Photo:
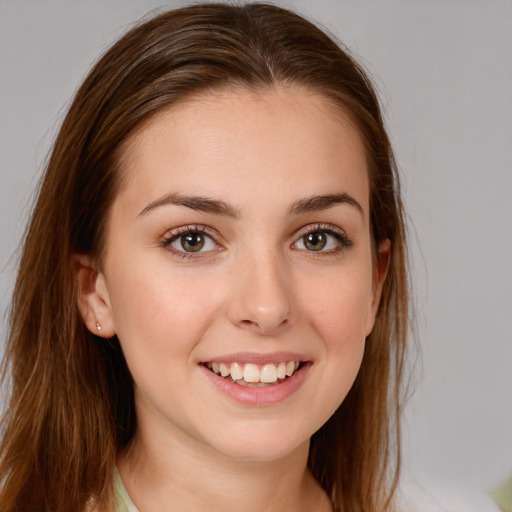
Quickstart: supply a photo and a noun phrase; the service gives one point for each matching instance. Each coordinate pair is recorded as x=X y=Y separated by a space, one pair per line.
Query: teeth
x=290 y=368
x=224 y=370
x=269 y=373
x=236 y=371
x=281 y=371
x=250 y=373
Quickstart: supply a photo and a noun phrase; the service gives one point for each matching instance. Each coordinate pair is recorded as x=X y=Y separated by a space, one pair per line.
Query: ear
x=379 y=277
x=93 y=299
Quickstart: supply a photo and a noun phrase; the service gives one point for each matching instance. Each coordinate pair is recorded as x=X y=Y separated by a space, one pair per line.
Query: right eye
x=189 y=240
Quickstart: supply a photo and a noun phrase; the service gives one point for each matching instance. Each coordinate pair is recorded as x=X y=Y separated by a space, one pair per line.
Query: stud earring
x=98 y=326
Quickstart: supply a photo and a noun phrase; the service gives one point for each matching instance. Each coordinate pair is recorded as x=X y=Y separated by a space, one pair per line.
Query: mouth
x=255 y=375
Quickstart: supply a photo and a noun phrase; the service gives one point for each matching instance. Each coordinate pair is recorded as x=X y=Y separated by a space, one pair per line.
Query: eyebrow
x=203 y=204
x=317 y=203
x=217 y=207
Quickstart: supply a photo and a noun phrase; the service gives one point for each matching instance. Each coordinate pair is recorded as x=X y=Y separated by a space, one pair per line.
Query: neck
x=182 y=476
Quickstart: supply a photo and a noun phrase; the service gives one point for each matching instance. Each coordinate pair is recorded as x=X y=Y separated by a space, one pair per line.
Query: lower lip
x=268 y=395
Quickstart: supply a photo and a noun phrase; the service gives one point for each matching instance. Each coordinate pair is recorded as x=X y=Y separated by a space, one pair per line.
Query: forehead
x=228 y=142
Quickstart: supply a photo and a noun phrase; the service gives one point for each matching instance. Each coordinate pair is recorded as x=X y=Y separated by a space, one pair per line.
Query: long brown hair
x=71 y=405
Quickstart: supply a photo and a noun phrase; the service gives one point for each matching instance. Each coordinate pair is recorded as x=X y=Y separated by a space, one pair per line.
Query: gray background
x=444 y=72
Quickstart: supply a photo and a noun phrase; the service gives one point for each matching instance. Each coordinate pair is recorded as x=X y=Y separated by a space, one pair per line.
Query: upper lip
x=258 y=358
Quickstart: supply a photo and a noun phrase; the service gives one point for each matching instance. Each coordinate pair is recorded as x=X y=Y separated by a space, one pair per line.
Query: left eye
x=192 y=241
x=318 y=241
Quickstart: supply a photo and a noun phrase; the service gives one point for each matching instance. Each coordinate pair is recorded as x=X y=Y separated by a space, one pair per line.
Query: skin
x=256 y=288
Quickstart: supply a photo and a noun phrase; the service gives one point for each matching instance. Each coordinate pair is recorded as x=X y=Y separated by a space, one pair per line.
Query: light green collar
x=503 y=496
x=124 y=502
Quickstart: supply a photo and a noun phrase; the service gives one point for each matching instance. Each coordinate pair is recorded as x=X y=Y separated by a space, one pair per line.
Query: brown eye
x=323 y=239
x=315 y=241
x=192 y=242
x=189 y=240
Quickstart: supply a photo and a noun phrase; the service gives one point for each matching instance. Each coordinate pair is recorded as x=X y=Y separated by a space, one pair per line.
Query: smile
x=253 y=375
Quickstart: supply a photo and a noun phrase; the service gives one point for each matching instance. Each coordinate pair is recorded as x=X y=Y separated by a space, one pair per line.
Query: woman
x=211 y=305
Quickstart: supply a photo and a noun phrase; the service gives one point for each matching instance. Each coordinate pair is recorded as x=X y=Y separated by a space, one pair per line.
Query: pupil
x=315 y=241
x=192 y=242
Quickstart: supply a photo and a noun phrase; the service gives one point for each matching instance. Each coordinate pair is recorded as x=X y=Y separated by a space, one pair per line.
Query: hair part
x=71 y=404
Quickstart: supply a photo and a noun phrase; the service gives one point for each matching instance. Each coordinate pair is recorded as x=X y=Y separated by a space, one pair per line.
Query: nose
x=262 y=295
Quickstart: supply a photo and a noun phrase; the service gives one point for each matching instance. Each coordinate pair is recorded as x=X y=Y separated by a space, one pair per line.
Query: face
x=237 y=271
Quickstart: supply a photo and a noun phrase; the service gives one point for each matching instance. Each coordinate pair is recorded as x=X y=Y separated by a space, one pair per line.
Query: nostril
x=263 y=325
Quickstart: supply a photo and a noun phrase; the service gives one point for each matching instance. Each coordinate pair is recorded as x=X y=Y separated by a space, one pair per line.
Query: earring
x=98 y=326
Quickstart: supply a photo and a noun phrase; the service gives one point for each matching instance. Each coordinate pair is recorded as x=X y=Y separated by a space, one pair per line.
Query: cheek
x=338 y=316
x=162 y=310
x=340 y=311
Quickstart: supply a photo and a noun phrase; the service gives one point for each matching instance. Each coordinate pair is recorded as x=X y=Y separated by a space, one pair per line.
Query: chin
x=260 y=444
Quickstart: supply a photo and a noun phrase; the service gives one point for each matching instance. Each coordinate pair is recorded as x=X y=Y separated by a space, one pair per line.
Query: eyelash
x=176 y=234
x=343 y=241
